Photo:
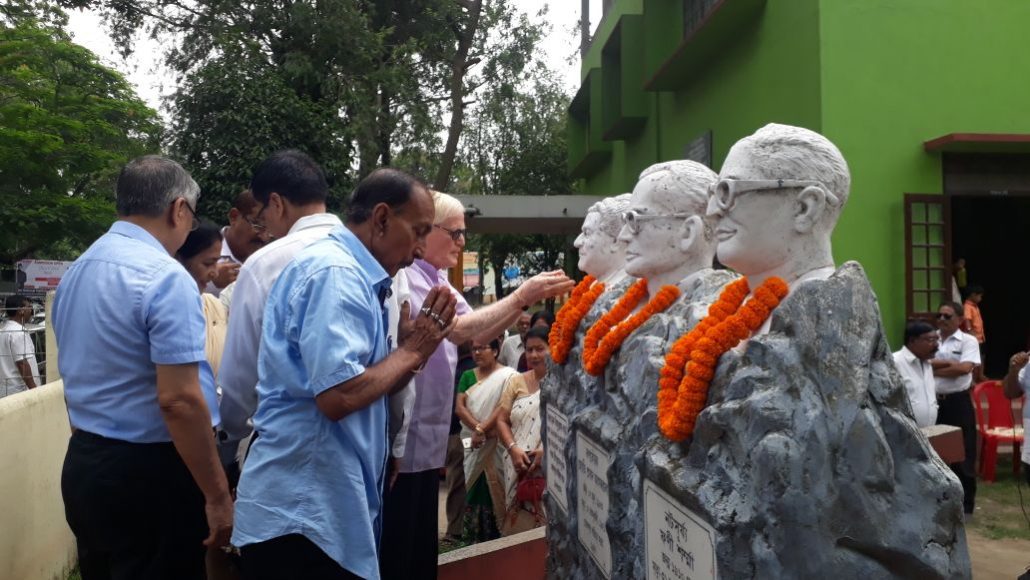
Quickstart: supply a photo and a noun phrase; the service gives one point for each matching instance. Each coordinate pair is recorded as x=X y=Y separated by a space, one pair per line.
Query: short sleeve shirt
x=123 y=307
x=324 y=324
x=959 y=347
x=15 y=346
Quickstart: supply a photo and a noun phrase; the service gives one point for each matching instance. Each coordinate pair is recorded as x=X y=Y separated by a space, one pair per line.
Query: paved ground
x=1002 y=559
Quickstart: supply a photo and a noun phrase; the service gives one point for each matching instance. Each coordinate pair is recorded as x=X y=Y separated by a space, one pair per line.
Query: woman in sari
x=478 y=393
x=519 y=449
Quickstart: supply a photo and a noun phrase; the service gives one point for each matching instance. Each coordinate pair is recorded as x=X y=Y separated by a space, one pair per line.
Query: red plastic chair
x=996 y=426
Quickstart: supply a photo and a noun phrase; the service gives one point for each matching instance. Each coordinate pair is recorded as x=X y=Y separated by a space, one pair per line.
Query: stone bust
x=601 y=254
x=776 y=203
x=667 y=234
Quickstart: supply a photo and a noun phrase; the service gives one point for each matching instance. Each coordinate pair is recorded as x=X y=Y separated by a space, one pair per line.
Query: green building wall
x=877 y=77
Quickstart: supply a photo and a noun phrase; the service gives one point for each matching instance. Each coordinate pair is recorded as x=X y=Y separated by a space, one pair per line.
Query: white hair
x=446 y=206
x=787 y=152
x=610 y=210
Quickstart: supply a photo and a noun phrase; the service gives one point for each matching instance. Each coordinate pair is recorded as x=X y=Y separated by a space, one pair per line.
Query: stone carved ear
x=693 y=232
x=810 y=209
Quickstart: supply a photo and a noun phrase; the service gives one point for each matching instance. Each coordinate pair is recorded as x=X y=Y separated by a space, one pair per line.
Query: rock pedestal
x=806 y=462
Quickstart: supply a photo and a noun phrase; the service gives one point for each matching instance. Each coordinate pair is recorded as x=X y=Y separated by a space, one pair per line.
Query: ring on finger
x=441 y=322
x=426 y=310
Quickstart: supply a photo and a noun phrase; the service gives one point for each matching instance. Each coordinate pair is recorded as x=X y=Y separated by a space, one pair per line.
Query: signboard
x=37 y=277
x=680 y=545
x=592 y=501
x=470 y=269
x=557 y=469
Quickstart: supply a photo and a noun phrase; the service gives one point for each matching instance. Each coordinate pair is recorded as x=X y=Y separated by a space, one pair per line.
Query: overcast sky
x=152 y=81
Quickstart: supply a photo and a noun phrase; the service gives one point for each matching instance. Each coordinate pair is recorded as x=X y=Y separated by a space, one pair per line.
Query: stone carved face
x=654 y=242
x=784 y=190
x=599 y=253
x=752 y=233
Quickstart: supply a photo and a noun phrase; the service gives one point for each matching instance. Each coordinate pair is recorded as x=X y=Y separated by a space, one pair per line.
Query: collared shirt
x=124 y=306
x=403 y=401
x=15 y=346
x=434 y=388
x=959 y=347
x=324 y=325
x=971 y=312
x=920 y=386
x=511 y=350
x=225 y=256
x=239 y=373
x=1024 y=383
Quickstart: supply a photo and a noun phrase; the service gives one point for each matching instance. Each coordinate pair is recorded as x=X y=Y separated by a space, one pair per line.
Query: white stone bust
x=601 y=254
x=777 y=201
x=666 y=230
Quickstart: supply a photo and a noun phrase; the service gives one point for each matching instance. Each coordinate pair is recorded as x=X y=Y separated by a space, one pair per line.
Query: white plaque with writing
x=592 y=501
x=557 y=469
x=680 y=545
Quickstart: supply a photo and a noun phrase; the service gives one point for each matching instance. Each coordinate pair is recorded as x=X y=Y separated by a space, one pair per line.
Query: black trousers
x=290 y=557
x=134 y=509
x=409 y=543
x=956 y=409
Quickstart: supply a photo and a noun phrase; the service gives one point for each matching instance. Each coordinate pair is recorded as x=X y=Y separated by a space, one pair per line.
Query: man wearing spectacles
x=244 y=235
x=913 y=362
x=957 y=358
x=142 y=484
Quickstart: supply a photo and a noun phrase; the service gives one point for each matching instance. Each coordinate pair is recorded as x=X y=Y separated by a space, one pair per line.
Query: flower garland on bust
x=608 y=333
x=690 y=363
x=566 y=322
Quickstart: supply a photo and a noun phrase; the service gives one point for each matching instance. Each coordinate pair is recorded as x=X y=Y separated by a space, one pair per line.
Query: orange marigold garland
x=690 y=363
x=608 y=333
x=566 y=322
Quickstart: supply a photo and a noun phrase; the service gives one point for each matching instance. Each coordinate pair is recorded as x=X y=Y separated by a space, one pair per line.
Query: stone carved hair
x=610 y=210
x=692 y=180
x=786 y=152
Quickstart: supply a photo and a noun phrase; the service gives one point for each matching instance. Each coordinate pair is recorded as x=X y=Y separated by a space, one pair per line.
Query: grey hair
x=610 y=210
x=788 y=152
x=690 y=181
x=148 y=185
x=446 y=206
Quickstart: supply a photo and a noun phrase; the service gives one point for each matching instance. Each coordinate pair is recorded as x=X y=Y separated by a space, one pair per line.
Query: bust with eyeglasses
x=601 y=254
x=667 y=234
x=776 y=202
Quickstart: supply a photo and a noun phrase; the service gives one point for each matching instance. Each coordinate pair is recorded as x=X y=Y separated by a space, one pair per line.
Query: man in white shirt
x=291 y=190
x=242 y=237
x=913 y=362
x=1016 y=384
x=957 y=356
x=513 y=348
x=18 y=369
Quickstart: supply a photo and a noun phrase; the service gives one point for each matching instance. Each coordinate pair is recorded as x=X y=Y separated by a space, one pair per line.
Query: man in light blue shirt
x=142 y=484
x=309 y=500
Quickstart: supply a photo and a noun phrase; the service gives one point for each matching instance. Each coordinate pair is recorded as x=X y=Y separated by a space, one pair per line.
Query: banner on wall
x=37 y=277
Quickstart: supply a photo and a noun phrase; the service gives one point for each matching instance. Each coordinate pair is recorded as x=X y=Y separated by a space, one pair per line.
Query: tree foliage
x=67 y=125
x=356 y=83
x=515 y=144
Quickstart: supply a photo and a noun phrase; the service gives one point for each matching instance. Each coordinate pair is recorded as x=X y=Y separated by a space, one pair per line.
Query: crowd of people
x=941 y=362
x=283 y=386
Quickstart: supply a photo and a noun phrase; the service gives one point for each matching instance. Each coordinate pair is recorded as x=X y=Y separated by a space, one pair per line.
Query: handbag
x=530 y=489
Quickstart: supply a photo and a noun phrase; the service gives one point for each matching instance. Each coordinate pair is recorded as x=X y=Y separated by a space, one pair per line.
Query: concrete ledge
x=35 y=542
x=517 y=557
x=946 y=440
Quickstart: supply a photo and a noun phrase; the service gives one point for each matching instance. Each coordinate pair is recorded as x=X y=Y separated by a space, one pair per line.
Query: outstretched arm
x=489 y=322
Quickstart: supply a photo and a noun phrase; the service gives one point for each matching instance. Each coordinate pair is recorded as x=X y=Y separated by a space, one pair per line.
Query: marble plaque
x=557 y=469
x=592 y=501
x=680 y=545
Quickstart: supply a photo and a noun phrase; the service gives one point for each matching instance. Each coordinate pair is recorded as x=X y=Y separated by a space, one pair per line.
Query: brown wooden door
x=927 y=253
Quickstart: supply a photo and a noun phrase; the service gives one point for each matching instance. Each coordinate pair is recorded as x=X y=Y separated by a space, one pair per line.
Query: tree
x=373 y=79
x=515 y=144
x=67 y=125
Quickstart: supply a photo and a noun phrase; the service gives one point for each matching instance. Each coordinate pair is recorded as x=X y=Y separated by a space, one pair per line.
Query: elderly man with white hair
x=409 y=545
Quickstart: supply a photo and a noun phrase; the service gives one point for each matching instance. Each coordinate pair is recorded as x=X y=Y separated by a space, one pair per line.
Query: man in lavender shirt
x=409 y=542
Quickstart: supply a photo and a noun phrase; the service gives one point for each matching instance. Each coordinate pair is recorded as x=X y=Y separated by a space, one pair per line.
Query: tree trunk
x=459 y=66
